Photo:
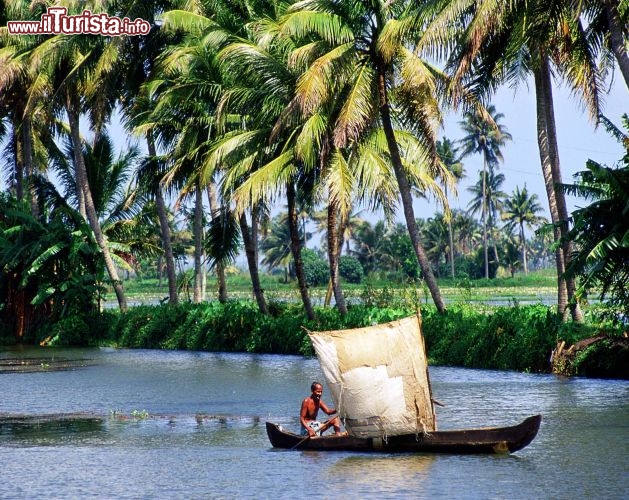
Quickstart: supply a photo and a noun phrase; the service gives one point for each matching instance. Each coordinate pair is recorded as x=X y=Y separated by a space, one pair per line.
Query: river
x=191 y=425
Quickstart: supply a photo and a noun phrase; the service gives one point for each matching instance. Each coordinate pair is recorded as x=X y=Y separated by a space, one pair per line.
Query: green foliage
x=608 y=358
x=601 y=241
x=516 y=338
x=508 y=338
x=52 y=267
x=316 y=269
x=351 y=269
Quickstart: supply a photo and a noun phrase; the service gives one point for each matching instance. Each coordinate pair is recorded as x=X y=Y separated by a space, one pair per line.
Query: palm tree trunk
x=220 y=266
x=541 y=98
x=293 y=227
x=616 y=37
x=405 y=194
x=162 y=215
x=334 y=256
x=562 y=209
x=27 y=153
x=72 y=108
x=252 y=259
x=450 y=240
x=523 y=243
x=198 y=244
x=19 y=163
x=484 y=206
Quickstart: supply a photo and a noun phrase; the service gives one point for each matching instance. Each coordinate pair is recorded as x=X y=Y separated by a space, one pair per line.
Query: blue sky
x=578 y=141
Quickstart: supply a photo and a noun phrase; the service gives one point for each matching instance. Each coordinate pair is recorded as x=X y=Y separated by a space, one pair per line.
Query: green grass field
x=537 y=286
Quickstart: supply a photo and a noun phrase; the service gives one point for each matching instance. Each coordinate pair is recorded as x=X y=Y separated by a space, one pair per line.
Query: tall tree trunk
x=162 y=215
x=220 y=267
x=617 y=38
x=562 y=209
x=541 y=98
x=27 y=153
x=252 y=259
x=295 y=246
x=450 y=240
x=523 y=243
x=334 y=256
x=19 y=162
x=72 y=108
x=197 y=295
x=407 y=199
x=484 y=214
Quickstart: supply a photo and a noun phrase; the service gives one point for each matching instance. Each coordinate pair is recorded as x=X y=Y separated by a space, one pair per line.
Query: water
x=193 y=427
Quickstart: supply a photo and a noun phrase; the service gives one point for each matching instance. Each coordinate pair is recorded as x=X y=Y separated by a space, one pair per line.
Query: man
x=308 y=415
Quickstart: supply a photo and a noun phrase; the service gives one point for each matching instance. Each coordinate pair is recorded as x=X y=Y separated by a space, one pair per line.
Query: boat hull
x=489 y=440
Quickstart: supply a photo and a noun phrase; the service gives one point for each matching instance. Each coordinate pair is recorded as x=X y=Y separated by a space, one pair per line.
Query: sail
x=378 y=378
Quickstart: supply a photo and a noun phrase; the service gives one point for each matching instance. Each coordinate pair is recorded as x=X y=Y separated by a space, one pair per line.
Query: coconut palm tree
x=31 y=128
x=484 y=137
x=359 y=51
x=210 y=28
x=521 y=210
x=505 y=42
x=436 y=235
x=607 y=28
x=448 y=154
x=67 y=64
x=488 y=197
x=137 y=61
x=275 y=245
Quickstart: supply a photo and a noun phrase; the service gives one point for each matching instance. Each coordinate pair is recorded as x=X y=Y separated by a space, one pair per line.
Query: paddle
x=324 y=426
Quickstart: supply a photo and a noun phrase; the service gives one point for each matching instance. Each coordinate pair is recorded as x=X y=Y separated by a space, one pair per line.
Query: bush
x=351 y=269
x=515 y=337
x=316 y=269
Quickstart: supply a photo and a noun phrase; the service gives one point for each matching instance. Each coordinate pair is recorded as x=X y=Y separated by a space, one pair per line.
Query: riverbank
x=516 y=337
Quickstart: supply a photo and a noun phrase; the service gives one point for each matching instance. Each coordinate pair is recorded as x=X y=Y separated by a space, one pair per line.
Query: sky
x=577 y=138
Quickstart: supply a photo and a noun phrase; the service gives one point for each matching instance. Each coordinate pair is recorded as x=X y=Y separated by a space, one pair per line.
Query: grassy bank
x=508 y=338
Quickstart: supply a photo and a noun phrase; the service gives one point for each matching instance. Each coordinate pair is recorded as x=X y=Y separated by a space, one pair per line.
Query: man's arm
x=325 y=408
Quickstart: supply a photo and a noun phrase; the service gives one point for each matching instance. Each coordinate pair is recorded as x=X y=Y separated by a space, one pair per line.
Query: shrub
x=351 y=269
x=316 y=269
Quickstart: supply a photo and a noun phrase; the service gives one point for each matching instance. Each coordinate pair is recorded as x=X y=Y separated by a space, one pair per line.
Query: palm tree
x=484 y=137
x=120 y=207
x=521 y=210
x=358 y=51
x=437 y=237
x=608 y=28
x=505 y=42
x=488 y=195
x=137 y=61
x=368 y=245
x=467 y=230
x=448 y=154
x=275 y=245
x=28 y=119
x=68 y=62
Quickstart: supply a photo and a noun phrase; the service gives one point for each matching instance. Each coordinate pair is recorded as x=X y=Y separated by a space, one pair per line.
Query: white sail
x=378 y=378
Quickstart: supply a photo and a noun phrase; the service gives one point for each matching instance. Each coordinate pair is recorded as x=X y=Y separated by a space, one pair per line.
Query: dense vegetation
x=508 y=338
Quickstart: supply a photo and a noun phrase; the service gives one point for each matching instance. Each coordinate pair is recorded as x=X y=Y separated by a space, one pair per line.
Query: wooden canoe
x=467 y=441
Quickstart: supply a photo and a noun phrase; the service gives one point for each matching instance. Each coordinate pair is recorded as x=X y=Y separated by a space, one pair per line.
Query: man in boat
x=308 y=414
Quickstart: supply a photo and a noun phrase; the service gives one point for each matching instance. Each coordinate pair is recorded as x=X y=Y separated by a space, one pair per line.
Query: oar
x=324 y=426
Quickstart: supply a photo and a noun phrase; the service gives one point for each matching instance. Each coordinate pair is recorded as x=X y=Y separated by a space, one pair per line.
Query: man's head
x=317 y=390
